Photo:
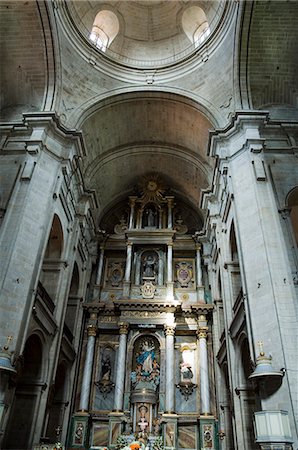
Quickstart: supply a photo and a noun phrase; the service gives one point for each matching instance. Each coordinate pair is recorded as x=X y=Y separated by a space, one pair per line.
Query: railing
x=148 y=63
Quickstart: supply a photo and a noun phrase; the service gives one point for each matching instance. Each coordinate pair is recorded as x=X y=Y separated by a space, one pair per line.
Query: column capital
x=202 y=332
x=123 y=327
x=198 y=246
x=91 y=330
x=170 y=244
x=102 y=247
x=128 y=244
x=169 y=330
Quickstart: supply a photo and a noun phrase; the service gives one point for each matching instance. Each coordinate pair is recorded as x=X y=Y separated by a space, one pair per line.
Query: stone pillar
x=86 y=383
x=170 y=379
x=204 y=375
x=126 y=283
x=170 y=285
x=99 y=273
x=160 y=268
x=170 y=262
x=120 y=371
x=132 y=212
x=138 y=269
x=170 y=211
x=200 y=287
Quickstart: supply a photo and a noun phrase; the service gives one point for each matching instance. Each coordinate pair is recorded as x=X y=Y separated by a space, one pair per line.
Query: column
x=170 y=211
x=204 y=375
x=170 y=284
x=86 y=383
x=99 y=273
x=198 y=265
x=160 y=268
x=121 y=368
x=132 y=212
x=170 y=381
x=200 y=287
x=128 y=261
x=170 y=262
x=138 y=269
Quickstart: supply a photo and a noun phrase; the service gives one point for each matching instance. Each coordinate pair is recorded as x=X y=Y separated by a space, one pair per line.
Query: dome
x=146 y=33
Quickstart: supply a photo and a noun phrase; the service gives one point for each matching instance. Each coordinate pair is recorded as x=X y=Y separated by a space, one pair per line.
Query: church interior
x=149 y=225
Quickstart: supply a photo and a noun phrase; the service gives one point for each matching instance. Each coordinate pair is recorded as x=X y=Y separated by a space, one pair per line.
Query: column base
x=126 y=289
x=170 y=291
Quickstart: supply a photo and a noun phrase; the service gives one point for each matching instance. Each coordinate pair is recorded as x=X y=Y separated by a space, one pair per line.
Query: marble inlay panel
x=170 y=435
x=116 y=431
x=100 y=435
x=187 y=437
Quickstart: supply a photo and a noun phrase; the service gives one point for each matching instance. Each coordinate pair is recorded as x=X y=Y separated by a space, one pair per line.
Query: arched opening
x=195 y=25
x=21 y=425
x=292 y=203
x=57 y=402
x=55 y=242
x=236 y=282
x=50 y=271
x=72 y=303
x=104 y=30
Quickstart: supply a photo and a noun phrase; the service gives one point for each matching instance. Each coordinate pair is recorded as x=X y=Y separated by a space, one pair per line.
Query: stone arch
x=29 y=387
x=73 y=301
x=233 y=244
x=55 y=243
x=57 y=399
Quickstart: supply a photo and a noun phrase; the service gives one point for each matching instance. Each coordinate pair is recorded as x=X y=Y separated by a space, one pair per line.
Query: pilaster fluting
x=204 y=372
x=128 y=261
x=170 y=381
x=86 y=382
x=120 y=371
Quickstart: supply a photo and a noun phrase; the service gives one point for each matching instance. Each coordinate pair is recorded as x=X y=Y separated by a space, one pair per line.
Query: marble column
x=132 y=212
x=138 y=269
x=86 y=382
x=128 y=261
x=121 y=367
x=170 y=284
x=170 y=377
x=170 y=211
x=99 y=271
x=204 y=372
x=170 y=263
x=200 y=287
x=160 y=268
x=198 y=265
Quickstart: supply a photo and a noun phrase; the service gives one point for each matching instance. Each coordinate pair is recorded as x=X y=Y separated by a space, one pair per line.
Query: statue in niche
x=106 y=369
x=146 y=357
x=147 y=369
x=149 y=266
x=105 y=385
x=151 y=217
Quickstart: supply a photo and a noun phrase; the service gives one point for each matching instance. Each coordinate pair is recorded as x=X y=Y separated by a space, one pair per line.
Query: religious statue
x=149 y=266
x=106 y=369
x=150 y=218
x=146 y=357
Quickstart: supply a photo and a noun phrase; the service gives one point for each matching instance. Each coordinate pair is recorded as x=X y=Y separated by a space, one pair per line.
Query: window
x=195 y=25
x=104 y=30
